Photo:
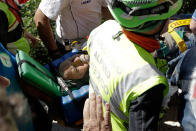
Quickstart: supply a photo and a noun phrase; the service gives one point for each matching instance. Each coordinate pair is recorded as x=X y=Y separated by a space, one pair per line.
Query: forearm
x=106 y=13
x=31 y=38
x=44 y=30
x=193 y=26
x=144 y=111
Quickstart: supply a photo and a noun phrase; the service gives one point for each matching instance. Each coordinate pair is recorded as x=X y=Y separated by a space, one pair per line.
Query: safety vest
x=20 y=43
x=178 y=39
x=120 y=71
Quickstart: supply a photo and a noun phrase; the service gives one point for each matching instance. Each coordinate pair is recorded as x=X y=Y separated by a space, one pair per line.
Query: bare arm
x=44 y=30
x=32 y=38
x=193 y=26
x=193 y=23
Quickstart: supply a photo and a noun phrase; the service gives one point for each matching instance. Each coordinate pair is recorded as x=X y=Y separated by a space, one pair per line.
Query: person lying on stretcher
x=75 y=67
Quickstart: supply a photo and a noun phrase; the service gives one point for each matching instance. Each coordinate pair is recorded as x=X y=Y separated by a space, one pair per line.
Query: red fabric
x=22 y=1
x=147 y=43
x=16 y=15
x=15 y=10
x=12 y=4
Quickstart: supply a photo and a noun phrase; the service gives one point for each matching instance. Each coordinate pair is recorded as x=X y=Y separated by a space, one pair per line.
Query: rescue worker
x=178 y=49
x=12 y=34
x=74 y=21
x=122 y=67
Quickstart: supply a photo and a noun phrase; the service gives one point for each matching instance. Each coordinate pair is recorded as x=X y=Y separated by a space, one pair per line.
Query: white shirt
x=74 y=18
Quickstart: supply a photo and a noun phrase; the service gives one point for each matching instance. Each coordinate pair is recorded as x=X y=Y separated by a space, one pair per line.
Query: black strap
x=3 y=28
x=82 y=52
x=61 y=82
x=64 y=86
x=34 y=66
x=15 y=35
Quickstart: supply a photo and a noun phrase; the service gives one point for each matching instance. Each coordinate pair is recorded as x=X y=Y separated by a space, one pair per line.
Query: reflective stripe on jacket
x=21 y=43
x=120 y=71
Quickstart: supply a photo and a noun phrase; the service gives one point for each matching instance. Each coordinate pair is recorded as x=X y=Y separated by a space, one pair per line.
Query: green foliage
x=188 y=6
x=39 y=52
x=28 y=11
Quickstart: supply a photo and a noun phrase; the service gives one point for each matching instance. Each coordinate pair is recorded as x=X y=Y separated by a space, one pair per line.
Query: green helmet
x=141 y=15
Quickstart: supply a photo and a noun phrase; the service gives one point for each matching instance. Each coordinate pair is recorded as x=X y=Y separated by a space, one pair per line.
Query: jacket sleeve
x=3 y=27
x=52 y=8
x=144 y=111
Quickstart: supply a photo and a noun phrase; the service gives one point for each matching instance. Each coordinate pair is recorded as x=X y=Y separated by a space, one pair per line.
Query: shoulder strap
x=64 y=87
x=171 y=29
x=61 y=82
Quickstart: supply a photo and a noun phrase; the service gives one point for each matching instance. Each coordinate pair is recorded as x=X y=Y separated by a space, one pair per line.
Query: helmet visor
x=135 y=11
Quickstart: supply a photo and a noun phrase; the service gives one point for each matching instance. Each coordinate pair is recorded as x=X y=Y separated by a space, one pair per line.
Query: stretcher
x=41 y=78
